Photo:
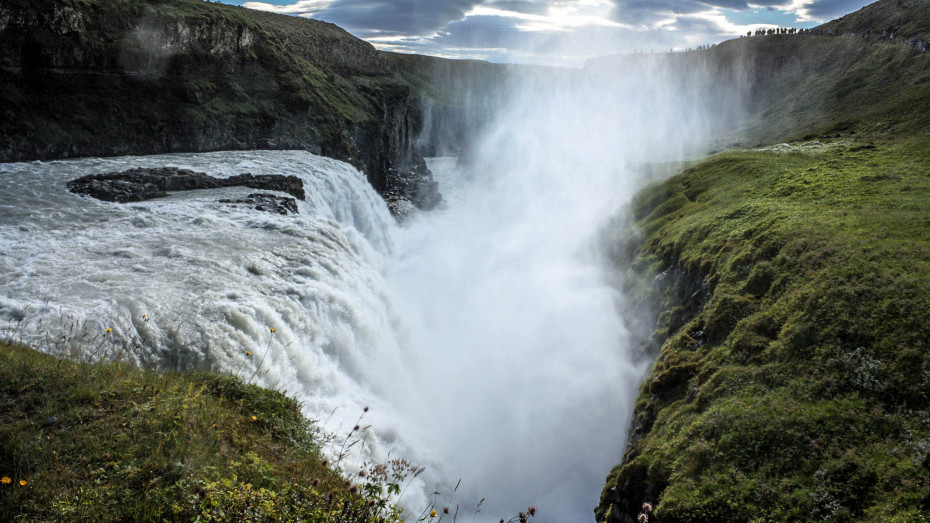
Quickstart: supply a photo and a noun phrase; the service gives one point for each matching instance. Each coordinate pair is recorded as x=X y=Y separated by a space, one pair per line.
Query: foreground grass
x=794 y=378
x=104 y=442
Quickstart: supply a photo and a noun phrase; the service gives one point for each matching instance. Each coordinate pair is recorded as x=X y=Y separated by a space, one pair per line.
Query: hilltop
x=906 y=19
x=779 y=88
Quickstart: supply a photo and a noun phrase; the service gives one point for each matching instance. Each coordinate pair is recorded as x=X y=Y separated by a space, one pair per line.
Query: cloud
x=551 y=31
x=521 y=6
x=825 y=10
x=379 y=17
x=649 y=13
x=482 y=32
x=299 y=7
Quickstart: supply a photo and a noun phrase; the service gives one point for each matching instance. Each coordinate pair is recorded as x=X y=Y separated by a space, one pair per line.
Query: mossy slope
x=800 y=386
x=104 y=442
x=803 y=86
x=907 y=19
x=790 y=284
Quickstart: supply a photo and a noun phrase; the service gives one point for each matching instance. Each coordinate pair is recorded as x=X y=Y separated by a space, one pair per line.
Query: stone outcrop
x=267 y=202
x=142 y=184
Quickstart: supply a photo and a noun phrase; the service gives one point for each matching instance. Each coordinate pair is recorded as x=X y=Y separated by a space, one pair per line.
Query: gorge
x=565 y=284
x=433 y=325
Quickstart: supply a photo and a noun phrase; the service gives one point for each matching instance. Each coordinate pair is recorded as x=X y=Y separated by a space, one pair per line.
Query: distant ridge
x=816 y=84
x=907 y=19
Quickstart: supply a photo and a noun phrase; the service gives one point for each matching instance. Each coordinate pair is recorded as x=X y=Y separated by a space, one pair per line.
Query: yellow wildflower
x=22 y=483
x=254 y=418
x=6 y=480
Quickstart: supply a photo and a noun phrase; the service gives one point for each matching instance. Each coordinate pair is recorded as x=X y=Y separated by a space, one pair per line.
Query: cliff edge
x=103 y=78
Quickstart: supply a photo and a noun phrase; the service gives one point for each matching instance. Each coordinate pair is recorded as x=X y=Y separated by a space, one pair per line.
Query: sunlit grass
x=795 y=383
x=108 y=442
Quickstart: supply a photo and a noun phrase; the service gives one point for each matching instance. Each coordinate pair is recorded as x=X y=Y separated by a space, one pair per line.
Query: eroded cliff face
x=100 y=78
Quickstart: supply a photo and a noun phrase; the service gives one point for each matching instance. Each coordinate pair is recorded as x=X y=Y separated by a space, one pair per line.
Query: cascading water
x=486 y=337
x=525 y=371
x=201 y=283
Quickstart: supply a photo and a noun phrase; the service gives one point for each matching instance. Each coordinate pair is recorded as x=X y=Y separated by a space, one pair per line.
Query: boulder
x=267 y=202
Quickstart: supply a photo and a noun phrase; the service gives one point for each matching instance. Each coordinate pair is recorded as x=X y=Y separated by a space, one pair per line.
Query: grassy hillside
x=791 y=284
x=770 y=89
x=800 y=385
x=105 y=442
x=907 y=19
x=806 y=86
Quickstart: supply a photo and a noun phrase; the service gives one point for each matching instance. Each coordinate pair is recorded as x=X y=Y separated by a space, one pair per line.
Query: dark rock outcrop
x=142 y=184
x=267 y=202
x=418 y=188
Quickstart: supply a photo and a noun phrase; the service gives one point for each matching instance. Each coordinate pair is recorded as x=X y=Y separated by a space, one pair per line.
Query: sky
x=554 y=32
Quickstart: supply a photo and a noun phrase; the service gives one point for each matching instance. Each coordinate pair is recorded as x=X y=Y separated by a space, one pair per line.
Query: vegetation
x=792 y=281
x=805 y=87
x=905 y=18
x=107 y=442
x=800 y=386
x=789 y=284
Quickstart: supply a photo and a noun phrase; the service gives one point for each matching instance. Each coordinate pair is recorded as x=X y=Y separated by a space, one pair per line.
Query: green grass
x=802 y=87
x=107 y=442
x=798 y=385
x=906 y=19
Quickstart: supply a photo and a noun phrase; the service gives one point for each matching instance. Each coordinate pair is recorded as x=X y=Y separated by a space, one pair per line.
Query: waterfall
x=486 y=337
x=190 y=282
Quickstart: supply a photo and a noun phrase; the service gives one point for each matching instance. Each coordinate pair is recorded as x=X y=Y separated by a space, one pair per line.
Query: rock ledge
x=142 y=184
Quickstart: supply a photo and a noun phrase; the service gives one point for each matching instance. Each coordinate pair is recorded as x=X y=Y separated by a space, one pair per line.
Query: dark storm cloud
x=400 y=17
